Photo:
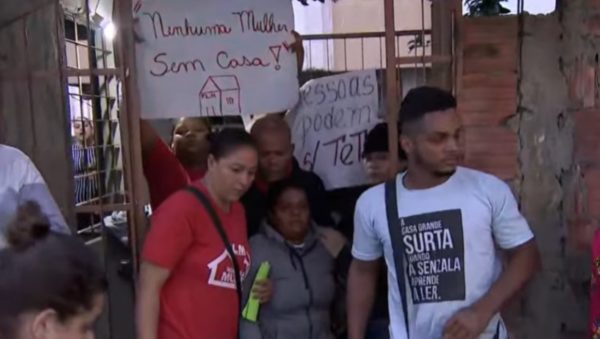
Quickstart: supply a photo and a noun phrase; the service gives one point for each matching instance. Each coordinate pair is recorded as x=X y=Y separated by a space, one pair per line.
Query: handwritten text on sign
x=330 y=124
x=215 y=57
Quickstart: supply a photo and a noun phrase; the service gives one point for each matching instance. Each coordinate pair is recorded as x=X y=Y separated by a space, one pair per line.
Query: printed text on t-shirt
x=434 y=248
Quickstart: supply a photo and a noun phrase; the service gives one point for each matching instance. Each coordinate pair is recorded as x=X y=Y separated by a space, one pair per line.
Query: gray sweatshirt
x=20 y=181
x=303 y=288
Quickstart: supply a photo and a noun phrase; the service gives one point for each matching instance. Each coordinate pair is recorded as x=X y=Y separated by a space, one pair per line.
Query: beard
x=444 y=174
x=433 y=169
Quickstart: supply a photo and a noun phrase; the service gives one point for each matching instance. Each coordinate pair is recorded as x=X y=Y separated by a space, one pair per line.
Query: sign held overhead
x=215 y=57
x=330 y=124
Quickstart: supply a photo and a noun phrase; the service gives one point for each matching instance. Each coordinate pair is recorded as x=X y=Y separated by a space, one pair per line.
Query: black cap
x=377 y=141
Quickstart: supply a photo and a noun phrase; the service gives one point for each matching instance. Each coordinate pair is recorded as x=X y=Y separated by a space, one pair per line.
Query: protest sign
x=214 y=57
x=330 y=123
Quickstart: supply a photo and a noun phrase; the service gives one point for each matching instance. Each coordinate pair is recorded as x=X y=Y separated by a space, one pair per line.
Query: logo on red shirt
x=221 y=269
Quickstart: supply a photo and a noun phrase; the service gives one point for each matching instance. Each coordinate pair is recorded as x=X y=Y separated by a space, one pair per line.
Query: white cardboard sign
x=215 y=57
x=330 y=123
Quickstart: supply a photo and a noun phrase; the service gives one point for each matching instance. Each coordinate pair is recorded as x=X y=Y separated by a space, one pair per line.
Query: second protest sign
x=330 y=124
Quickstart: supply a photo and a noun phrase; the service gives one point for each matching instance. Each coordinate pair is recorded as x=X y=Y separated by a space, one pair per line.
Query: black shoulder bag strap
x=391 y=206
x=217 y=222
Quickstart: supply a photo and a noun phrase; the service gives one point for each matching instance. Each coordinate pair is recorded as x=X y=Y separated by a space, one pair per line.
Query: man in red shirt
x=169 y=170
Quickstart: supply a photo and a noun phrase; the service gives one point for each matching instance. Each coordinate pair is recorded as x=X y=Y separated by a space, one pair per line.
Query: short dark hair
x=270 y=123
x=228 y=140
x=42 y=269
x=277 y=189
x=377 y=141
x=422 y=100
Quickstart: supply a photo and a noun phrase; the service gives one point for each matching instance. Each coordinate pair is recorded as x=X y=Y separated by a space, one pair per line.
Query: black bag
x=391 y=207
x=219 y=227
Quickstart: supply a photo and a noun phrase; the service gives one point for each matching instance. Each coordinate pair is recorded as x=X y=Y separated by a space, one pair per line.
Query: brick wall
x=487 y=95
x=533 y=119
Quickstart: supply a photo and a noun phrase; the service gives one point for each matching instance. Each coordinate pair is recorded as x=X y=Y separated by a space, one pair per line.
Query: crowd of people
x=428 y=249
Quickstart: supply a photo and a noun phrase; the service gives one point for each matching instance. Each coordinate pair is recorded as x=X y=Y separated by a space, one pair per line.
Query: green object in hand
x=250 y=312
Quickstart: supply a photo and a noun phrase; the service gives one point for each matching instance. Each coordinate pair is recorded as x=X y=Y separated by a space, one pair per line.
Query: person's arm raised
x=148 y=137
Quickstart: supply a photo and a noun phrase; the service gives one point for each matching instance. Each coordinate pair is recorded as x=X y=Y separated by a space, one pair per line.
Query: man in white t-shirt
x=453 y=224
x=20 y=181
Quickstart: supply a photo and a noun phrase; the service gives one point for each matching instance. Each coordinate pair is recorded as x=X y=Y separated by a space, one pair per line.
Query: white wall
x=356 y=16
x=531 y=6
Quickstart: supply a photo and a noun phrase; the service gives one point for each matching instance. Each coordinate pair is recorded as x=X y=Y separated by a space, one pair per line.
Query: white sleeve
x=366 y=245
x=33 y=188
x=509 y=227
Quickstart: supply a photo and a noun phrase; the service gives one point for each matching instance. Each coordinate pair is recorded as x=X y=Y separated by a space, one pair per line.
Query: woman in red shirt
x=168 y=170
x=188 y=288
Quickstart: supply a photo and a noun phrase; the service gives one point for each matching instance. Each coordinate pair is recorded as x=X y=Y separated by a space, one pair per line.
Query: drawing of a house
x=220 y=95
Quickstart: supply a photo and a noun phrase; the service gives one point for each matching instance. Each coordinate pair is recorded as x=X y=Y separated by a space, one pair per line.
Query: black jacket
x=255 y=201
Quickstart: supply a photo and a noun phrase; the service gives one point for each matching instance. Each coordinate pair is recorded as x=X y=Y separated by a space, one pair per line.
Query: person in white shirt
x=451 y=224
x=20 y=181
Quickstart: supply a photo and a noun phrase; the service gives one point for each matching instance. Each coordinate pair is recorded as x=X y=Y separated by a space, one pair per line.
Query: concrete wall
x=560 y=157
x=533 y=117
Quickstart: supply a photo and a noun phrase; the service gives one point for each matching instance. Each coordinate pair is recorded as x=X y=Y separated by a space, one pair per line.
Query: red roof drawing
x=220 y=83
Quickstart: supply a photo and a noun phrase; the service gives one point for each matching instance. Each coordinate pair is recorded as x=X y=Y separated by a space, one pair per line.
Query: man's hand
x=466 y=324
x=263 y=291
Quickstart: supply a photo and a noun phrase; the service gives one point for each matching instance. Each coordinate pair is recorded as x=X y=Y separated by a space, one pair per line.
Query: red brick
x=490 y=57
x=489 y=93
x=489 y=29
x=493 y=150
x=505 y=168
x=485 y=113
x=582 y=85
x=593 y=24
x=587 y=137
x=591 y=180
x=489 y=81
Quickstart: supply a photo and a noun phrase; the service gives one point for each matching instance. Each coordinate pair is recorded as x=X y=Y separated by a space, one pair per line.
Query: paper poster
x=330 y=124
x=214 y=57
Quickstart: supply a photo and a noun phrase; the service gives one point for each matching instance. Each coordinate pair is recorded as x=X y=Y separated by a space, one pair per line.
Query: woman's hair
x=45 y=270
x=278 y=188
x=228 y=140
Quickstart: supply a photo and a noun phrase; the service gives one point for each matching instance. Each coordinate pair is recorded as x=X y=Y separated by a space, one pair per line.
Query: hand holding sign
x=214 y=57
x=330 y=123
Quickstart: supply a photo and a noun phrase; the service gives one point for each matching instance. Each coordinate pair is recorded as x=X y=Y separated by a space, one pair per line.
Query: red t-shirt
x=165 y=174
x=199 y=300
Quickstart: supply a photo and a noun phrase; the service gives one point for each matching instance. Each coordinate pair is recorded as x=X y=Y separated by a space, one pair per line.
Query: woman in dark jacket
x=302 y=259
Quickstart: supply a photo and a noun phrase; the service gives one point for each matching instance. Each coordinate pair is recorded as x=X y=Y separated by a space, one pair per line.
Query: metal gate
x=68 y=99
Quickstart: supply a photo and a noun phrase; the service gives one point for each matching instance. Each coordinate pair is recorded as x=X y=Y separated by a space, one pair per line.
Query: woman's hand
x=263 y=290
